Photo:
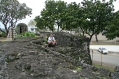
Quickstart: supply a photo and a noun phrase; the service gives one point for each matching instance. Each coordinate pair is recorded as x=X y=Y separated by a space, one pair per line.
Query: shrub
x=25 y=34
x=3 y=35
x=18 y=36
x=28 y=34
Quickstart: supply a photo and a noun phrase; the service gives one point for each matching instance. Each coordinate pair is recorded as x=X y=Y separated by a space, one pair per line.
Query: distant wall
x=32 y=29
x=103 y=38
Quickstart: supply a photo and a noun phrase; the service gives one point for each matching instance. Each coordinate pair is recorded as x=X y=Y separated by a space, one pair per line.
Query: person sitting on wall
x=51 y=41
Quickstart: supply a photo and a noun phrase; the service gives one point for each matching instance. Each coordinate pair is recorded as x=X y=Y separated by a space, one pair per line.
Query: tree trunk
x=89 y=48
x=96 y=37
x=58 y=27
x=83 y=33
x=90 y=37
x=89 y=54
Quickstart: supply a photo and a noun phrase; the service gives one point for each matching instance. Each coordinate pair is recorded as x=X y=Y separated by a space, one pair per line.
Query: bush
x=28 y=34
x=25 y=34
x=18 y=36
x=3 y=35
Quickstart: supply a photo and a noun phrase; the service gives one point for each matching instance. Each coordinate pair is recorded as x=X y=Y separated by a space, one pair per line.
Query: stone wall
x=27 y=58
x=72 y=45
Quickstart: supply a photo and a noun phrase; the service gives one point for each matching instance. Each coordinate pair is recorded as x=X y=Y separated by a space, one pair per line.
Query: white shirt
x=51 y=39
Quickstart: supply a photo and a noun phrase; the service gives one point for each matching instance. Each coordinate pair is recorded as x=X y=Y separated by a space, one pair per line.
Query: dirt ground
x=27 y=61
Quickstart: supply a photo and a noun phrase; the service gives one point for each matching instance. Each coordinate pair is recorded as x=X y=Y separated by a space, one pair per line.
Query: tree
x=11 y=11
x=70 y=18
x=32 y=23
x=112 y=29
x=60 y=8
x=52 y=13
x=40 y=22
x=96 y=16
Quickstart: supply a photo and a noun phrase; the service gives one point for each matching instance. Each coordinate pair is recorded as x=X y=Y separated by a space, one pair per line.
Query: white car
x=103 y=50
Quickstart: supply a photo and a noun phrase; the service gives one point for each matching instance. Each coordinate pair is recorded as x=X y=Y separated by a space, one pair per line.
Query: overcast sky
x=38 y=5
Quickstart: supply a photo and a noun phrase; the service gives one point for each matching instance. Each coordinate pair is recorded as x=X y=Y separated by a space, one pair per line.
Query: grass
x=78 y=68
x=105 y=67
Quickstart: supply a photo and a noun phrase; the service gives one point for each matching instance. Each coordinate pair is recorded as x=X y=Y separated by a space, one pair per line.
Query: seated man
x=51 y=41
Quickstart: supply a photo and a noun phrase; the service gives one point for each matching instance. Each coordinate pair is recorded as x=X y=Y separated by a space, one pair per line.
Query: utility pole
x=92 y=54
x=101 y=58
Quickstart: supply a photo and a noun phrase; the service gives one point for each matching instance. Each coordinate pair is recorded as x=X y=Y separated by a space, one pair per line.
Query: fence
x=104 y=60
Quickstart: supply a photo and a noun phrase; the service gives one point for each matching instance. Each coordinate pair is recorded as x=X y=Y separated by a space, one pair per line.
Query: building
x=32 y=29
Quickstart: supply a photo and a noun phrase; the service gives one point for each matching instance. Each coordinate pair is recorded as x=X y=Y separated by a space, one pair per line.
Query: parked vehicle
x=103 y=50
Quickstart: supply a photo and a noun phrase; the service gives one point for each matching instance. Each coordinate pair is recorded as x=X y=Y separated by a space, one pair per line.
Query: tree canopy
x=91 y=16
x=112 y=29
x=32 y=23
x=96 y=16
x=51 y=15
x=11 y=11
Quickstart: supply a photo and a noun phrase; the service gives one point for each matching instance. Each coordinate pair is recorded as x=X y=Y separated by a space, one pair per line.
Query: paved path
x=3 y=39
x=110 y=60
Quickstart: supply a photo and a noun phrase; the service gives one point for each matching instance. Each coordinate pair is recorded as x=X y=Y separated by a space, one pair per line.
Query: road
x=110 y=59
x=114 y=48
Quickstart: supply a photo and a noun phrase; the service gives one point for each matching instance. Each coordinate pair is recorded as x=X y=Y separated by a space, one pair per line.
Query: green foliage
x=18 y=36
x=51 y=15
x=91 y=16
x=96 y=16
x=112 y=29
x=78 y=68
x=28 y=34
x=40 y=22
x=25 y=34
x=70 y=18
x=81 y=77
x=3 y=34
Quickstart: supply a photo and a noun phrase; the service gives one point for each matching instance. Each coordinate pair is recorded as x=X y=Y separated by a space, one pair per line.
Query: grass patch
x=78 y=68
x=105 y=67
